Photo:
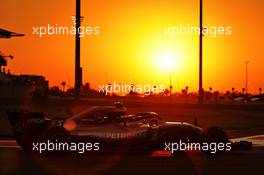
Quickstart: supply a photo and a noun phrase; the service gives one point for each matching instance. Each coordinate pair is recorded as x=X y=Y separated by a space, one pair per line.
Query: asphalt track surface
x=13 y=160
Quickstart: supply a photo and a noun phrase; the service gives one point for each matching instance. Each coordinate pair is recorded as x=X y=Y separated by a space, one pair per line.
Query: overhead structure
x=3 y=61
x=8 y=34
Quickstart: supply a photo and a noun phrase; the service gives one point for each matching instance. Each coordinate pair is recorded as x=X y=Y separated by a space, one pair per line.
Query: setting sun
x=168 y=60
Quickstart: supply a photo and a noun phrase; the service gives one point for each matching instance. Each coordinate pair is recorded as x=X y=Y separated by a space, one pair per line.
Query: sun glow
x=168 y=60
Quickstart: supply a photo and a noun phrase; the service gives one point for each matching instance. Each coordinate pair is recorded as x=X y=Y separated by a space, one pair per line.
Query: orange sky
x=132 y=35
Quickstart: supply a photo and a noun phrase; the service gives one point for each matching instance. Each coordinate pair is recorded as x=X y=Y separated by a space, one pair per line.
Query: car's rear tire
x=215 y=135
x=23 y=136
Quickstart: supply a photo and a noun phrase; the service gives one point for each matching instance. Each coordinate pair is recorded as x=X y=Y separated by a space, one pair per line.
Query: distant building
x=22 y=86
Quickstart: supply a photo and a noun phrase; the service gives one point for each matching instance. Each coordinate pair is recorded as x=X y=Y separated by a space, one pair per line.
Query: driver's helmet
x=120 y=109
x=118 y=104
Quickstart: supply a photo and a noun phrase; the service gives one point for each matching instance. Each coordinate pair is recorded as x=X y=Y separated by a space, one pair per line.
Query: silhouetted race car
x=110 y=129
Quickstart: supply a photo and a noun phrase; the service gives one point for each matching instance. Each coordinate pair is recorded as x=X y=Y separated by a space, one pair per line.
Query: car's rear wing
x=25 y=117
x=27 y=123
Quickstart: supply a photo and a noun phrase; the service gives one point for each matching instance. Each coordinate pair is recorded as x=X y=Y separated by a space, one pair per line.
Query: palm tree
x=210 y=89
x=243 y=90
x=233 y=90
x=187 y=88
x=63 y=85
x=260 y=91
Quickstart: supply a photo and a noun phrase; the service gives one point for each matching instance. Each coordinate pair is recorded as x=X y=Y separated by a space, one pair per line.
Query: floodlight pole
x=246 y=63
x=201 y=94
x=170 y=84
x=78 y=70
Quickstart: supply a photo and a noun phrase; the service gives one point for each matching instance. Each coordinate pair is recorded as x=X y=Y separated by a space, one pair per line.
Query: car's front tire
x=58 y=134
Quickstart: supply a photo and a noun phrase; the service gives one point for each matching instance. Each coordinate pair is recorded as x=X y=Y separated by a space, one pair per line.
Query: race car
x=111 y=127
